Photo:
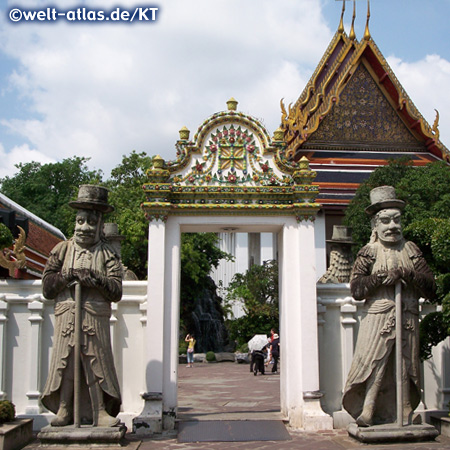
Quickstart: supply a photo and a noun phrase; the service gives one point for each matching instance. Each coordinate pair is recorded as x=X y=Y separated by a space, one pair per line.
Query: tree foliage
x=257 y=288
x=425 y=221
x=126 y=195
x=46 y=189
x=199 y=254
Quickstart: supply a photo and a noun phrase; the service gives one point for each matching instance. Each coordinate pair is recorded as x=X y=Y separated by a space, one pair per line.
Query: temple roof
x=354 y=115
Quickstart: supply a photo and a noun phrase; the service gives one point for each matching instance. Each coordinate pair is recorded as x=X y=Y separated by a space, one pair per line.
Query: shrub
x=6 y=237
x=7 y=411
x=210 y=356
x=182 y=347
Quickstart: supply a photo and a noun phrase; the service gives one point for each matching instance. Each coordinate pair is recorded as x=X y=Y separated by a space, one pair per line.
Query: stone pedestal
x=85 y=435
x=149 y=420
x=392 y=433
x=16 y=434
x=314 y=418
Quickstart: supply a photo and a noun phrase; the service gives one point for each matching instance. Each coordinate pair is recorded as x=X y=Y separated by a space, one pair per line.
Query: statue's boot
x=101 y=417
x=64 y=416
x=366 y=417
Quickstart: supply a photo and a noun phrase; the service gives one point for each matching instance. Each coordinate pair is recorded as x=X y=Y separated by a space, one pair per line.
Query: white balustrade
x=26 y=336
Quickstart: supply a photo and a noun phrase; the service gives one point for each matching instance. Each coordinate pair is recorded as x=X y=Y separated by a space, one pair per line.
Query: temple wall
x=26 y=329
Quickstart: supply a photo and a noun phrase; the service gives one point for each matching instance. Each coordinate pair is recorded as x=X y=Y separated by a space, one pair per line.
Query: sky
x=102 y=90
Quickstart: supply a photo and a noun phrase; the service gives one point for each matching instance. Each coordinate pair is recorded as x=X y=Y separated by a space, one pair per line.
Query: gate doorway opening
x=226 y=388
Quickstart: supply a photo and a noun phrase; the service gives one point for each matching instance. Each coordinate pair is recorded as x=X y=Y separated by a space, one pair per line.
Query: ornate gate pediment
x=231 y=167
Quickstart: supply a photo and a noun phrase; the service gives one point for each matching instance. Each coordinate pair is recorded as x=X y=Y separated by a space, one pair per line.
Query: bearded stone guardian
x=89 y=260
x=370 y=391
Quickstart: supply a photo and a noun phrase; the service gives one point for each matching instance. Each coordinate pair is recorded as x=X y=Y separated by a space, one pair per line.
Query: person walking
x=275 y=351
x=190 y=350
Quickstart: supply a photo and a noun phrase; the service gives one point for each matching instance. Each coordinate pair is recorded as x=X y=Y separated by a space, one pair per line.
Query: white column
x=267 y=247
x=299 y=334
x=321 y=245
x=155 y=306
x=3 y=345
x=241 y=252
x=348 y=322
x=34 y=356
x=143 y=320
x=112 y=326
x=171 y=321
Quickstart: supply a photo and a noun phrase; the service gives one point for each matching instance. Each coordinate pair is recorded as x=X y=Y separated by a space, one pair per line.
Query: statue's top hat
x=94 y=197
x=383 y=197
x=341 y=235
x=111 y=231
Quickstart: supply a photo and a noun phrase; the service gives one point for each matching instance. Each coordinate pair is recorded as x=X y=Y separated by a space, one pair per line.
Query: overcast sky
x=103 y=90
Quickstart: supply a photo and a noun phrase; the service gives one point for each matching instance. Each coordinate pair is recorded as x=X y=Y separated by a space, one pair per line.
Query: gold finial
x=232 y=104
x=435 y=128
x=278 y=134
x=184 y=134
x=304 y=163
x=352 y=34
x=158 y=162
x=366 y=31
x=341 y=23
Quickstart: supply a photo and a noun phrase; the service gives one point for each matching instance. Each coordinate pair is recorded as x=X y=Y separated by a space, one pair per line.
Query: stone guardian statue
x=89 y=260
x=370 y=391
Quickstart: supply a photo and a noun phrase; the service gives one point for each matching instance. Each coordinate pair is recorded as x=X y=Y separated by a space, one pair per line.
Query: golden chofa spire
x=352 y=34
x=366 y=31
x=341 y=23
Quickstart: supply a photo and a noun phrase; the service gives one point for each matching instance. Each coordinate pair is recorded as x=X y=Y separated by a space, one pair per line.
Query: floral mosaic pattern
x=232 y=155
x=363 y=115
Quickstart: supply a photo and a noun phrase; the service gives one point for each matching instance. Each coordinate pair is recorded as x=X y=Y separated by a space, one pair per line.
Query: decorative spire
x=366 y=31
x=232 y=104
x=184 y=134
x=352 y=34
x=341 y=23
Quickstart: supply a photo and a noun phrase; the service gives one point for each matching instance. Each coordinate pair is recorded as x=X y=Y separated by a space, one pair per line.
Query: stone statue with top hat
x=383 y=384
x=83 y=271
x=341 y=256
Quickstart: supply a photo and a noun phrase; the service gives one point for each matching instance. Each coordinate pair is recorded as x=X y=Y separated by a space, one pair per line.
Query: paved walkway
x=229 y=391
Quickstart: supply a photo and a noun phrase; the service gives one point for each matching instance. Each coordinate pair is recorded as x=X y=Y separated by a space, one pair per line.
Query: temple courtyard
x=229 y=392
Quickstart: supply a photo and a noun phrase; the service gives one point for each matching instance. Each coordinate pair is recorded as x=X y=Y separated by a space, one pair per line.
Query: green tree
x=257 y=288
x=46 y=189
x=425 y=221
x=126 y=195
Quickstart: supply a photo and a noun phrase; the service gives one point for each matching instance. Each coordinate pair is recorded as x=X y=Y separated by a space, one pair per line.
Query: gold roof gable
x=337 y=66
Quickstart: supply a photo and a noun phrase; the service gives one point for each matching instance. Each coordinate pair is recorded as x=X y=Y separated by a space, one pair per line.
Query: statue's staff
x=77 y=356
x=399 y=351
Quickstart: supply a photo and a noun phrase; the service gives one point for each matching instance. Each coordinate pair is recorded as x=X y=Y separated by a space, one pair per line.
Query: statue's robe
x=375 y=347
x=96 y=312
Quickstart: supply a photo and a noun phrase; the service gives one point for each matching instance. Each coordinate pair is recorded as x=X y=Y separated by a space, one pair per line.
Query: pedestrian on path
x=190 y=350
x=275 y=351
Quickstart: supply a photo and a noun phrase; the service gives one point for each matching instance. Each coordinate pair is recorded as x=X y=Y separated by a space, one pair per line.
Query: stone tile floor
x=228 y=391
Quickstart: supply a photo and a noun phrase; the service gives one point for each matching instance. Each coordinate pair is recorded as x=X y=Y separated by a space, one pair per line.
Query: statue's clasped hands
x=86 y=277
x=392 y=276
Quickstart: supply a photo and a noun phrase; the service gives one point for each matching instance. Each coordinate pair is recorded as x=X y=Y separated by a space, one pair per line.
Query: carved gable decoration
x=363 y=117
x=232 y=166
